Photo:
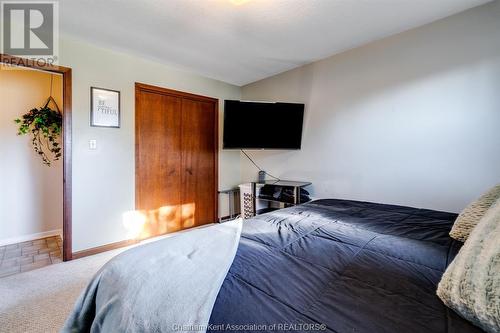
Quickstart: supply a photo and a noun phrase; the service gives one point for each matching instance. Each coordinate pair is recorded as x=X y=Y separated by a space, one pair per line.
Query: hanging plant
x=45 y=125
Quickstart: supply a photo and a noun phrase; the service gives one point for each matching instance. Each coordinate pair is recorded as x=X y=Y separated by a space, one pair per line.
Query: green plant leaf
x=45 y=125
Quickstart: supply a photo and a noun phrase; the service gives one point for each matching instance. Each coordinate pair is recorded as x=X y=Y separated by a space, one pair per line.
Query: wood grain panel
x=176 y=159
x=198 y=161
x=158 y=161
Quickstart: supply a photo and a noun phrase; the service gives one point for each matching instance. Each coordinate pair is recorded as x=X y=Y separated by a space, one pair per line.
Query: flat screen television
x=262 y=125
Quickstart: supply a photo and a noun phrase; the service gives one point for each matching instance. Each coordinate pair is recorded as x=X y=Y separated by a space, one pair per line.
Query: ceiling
x=242 y=41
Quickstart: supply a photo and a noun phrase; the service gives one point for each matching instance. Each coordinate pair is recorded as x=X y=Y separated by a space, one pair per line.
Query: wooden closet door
x=176 y=159
x=158 y=161
x=199 y=160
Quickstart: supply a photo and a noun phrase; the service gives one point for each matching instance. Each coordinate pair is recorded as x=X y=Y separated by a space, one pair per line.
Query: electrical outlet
x=93 y=144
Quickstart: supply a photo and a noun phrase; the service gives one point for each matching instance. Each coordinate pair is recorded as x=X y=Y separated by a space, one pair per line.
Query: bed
x=340 y=266
x=326 y=266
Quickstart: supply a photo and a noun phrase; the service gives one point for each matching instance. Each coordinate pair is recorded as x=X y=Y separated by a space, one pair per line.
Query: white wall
x=412 y=119
x=103 y=180
x=30 y=192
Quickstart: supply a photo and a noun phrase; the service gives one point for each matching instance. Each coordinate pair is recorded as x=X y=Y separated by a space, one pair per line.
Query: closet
x=176 y=137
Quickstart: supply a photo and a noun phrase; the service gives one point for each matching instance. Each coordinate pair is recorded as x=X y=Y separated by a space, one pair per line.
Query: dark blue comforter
x=340 y=266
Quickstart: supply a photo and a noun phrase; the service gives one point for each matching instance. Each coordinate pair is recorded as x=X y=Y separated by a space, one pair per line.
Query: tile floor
x=25 y=256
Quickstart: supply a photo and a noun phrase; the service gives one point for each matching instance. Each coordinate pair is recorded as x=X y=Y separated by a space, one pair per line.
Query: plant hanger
x=51 y=99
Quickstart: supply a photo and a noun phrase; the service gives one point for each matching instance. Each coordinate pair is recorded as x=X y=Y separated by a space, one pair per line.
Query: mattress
x=340 y=266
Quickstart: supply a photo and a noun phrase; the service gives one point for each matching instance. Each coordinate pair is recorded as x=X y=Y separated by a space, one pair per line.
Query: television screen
x=261 y=125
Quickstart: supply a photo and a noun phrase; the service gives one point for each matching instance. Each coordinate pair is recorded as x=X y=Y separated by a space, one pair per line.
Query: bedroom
x=397 y=111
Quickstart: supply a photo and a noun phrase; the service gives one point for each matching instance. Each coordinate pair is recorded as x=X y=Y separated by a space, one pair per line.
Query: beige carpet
x=40 y=300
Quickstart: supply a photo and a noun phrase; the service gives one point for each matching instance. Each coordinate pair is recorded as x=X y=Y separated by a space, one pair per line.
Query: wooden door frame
x=66 y=138
x=165 y=91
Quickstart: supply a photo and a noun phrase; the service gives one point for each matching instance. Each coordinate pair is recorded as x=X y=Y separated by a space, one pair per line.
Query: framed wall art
x=104 y=107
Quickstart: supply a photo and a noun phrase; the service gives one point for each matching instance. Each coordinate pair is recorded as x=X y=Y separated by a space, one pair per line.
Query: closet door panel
x=158 y=161
x=199 y=153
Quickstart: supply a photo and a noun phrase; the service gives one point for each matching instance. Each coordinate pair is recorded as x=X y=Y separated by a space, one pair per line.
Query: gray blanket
x=165 y=286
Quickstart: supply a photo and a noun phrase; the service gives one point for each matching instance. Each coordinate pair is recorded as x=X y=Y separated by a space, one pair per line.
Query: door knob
x=188 y=170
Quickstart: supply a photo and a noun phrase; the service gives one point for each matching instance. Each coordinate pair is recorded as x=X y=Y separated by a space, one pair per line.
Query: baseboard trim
x=228 y=218
x=103 y=248
x=31 y=237
x=129 y=242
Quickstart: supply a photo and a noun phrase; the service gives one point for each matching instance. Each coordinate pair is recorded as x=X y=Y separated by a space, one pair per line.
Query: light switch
x=92 y=144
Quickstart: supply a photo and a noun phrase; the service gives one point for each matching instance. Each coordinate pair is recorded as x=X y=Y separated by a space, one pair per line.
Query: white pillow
x=471 y=215
x=471 y=284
